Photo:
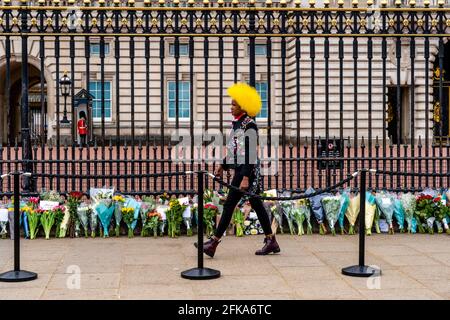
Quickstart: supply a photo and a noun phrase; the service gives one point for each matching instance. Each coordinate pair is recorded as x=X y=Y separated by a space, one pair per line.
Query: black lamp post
x=65 y=83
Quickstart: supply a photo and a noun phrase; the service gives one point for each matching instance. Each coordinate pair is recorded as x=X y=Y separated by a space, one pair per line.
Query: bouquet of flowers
x=440 y=214
x=210 y=211
x=73 y=203
x=353 y=212
x=103 y=205
x=238 y=219
x=424 y=213
x=371 y=211
x=164 y=199
x=48 y=219
x=34 y=217
x=175 y=217
x=252 y=224
x=304 y=206
x=287 y=208
x=399 y=214
x=118 y=205
x=59 y=217
x=148 y=205
x=187 y=215
x=51 y=196
x=331 y=205
x=299 y=217
x=317 y=209
x=408 y=201
x=83 y=217
x=93 y=222
x=345 y=200
x=152 y=223
x=3 y=221
x=128 y=218
x=162 y=209
x=386 y=204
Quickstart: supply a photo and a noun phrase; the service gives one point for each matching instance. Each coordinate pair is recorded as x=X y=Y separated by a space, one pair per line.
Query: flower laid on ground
x=103 y=205
x=331 y=206
x=152 y=223
x=345 y=200
x=47 y=221
x=238 y=220
x=425 y=207
x=73 y=203
x=385 y=203
x=34 y=218
x=440 y=214
x=317 y=209
x=353 y=212
x=128 y=218
x=83 y=217
x=3 y=221
x=210 y=211
x=371 y=209
x=148 y=205
x=288 y=211
x=408 y=201
x=399 y=214
x=119 y=200
x=59 y=217
x=174 y=217
x=277 y=218
x=305 y=210
x=93 y=222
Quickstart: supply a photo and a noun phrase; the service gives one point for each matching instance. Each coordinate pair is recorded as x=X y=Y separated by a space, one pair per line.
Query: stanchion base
x=200 y=274
x=17 y=276
x=361 y=271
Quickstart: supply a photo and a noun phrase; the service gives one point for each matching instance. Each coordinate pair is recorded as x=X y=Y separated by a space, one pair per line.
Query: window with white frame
x=184 y=100
x=95 y=89
x=260 y=49
x=262 y=88
x=95 y=49
x=183 y=49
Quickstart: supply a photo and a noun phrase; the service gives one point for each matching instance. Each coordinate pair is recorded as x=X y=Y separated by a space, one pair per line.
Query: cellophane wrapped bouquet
x=317 y=208
x=408 y=201
x=386 y=204
x=353 y=212
x=331 y=206
x=118 y=201
x=148 y=206
x=102 y=203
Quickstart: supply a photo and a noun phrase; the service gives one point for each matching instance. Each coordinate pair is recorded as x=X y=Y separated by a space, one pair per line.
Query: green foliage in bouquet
x=425 y=207
x=73 y=202
x=238 y=220
x=174 y=217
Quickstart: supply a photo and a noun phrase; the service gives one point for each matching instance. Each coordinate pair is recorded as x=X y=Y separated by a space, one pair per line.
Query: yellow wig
x=247 y=98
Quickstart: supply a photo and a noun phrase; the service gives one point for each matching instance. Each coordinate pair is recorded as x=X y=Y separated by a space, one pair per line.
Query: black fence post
x=361 y=270
x=17 y=275
x=200 y=273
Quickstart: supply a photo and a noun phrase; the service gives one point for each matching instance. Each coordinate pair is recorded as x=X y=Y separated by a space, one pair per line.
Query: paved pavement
x=413 y=266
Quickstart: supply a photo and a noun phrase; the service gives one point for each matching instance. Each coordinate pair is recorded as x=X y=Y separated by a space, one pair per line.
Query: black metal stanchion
x=200 y=273
x=361 y=270
x=17 y=275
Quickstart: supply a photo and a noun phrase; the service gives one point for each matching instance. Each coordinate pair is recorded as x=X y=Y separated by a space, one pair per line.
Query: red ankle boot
x=270 y=246
x=209 y=247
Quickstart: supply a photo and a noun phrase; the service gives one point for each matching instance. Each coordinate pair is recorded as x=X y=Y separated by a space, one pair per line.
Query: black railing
x=342 y=88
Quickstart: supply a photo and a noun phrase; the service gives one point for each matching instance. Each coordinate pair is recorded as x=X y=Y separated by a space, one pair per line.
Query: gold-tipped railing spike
x=312 y=3
x=130 y=3
x=206 y=3
x=398 y=3
x=340 y=3
x=426 y=3
x=116 y=3
x=268 y=3
x=355 y=3
x=252 y=2
x=101 y=3
x=24 y=2
x=412 y=3
x=369 y=3
x=220 y=3
x=6 y=2
x=147 y=3
x=191 y=2
x=87 y=2
x=176 y=3
x=235 y=2
x=40 y=2
x=56 y=2
x=283 y=3
x=326 y=3
x=441 y=3
x=383 y=3
x=298 y=3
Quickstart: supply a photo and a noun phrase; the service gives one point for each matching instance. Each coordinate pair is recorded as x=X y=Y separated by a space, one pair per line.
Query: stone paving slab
x=309 y=267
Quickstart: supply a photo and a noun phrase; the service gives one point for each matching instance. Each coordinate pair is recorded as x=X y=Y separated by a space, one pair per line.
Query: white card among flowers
x=3 y=215
x=48 y=205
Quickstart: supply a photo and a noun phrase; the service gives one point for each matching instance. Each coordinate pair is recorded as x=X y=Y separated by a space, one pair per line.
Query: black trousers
x=82 y=139
x=231 y=202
